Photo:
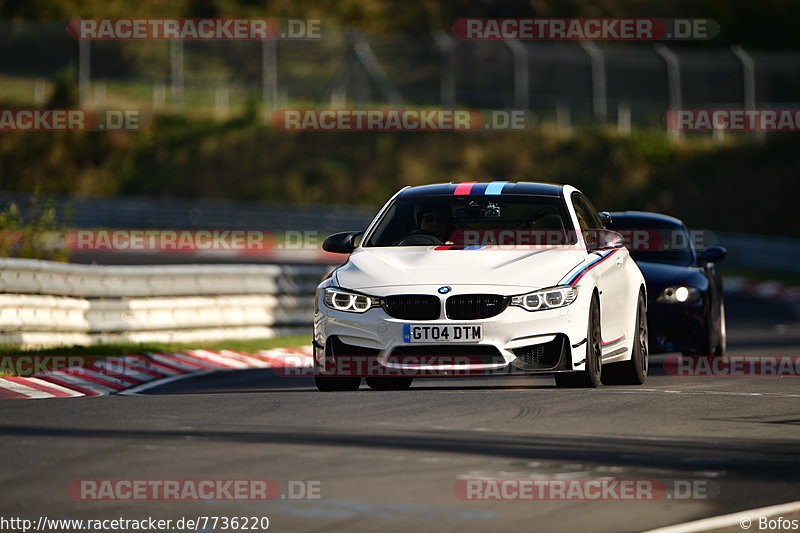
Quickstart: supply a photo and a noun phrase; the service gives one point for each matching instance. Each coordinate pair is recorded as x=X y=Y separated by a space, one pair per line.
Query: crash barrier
x=43 y=303
x=761 y=252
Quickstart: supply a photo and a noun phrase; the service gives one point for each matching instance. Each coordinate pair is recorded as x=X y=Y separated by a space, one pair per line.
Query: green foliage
x=762 y=24
x=65 y=89
x=36 y=232
x=723 y=187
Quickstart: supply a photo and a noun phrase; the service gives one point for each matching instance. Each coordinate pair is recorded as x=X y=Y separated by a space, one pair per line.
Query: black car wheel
x=712 y=338
x=591 y=376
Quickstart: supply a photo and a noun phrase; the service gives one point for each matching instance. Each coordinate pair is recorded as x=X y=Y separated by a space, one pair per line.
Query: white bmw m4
x=480 y=278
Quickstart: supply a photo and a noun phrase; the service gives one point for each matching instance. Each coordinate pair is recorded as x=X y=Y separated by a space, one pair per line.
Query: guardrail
x=43 y=303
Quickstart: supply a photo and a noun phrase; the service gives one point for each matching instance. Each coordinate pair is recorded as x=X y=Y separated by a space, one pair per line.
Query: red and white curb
x=770 y=290
x=114 y=375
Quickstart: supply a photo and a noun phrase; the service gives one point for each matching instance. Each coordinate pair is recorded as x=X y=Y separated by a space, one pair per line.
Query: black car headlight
x=679 y=294
x=550 y=298
x=351 y=302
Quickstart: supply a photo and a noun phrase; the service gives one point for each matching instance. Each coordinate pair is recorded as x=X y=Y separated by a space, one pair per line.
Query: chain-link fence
x=568 y=82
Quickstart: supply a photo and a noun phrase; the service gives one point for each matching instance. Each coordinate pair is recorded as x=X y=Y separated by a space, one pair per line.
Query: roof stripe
x=464 y=188
x=495 y=187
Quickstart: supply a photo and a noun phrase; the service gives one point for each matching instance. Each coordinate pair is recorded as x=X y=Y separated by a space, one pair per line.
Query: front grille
x=541 y=356
x=475 y=306
x=412 y=306
x=471 y=353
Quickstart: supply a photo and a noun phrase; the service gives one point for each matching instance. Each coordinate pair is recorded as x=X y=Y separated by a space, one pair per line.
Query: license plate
x=437 y=333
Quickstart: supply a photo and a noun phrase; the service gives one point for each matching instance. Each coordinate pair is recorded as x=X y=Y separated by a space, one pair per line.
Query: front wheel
x=710 y=333
x=722 y=332
x=591 y=376
x=633 y=372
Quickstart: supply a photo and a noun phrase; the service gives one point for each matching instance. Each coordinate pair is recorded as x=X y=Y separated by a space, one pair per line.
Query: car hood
x=660 y=275
x=382 y=267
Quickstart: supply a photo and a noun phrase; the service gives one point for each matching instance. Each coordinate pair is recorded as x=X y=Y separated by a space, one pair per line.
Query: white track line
x=730 y=520
x=133 y=391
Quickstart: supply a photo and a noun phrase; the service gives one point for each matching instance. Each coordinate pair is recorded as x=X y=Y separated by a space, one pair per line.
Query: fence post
x=624 y=119
x=749 y=81
x=599 y=99
x=99 y=94
x=673 y=82
x=269 y=76
x=39 y=92
x=84 y=72
x=221 y=101
x=521 y=74
x=563 y=118
x=447 y=51
x=176 y=72
x=372 y=67
x=159 y=97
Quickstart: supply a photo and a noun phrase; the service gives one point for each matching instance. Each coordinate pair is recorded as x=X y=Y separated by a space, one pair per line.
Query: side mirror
x=713 y=254
x=341 y=243
x=603 y=239
x=605 y=218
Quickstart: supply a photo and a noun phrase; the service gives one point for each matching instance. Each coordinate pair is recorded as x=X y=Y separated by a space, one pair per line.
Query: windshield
x=655 y=241
x=474 y=220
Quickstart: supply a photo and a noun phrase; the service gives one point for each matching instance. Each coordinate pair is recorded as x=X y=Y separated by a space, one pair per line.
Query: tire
x=395 y=383
x=633 y=372
x=329 y=384
x=722 y=333
x=591 y=376
x=706 y=345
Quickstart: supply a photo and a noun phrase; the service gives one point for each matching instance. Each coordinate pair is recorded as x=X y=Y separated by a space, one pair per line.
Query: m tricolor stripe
x=473 y=188
x=464 y=188
x=576 y=277
x=495 y=187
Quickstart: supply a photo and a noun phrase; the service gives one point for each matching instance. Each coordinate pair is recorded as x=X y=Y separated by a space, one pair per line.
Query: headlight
x=678 y=295
x=343 y=300
x=546 y=298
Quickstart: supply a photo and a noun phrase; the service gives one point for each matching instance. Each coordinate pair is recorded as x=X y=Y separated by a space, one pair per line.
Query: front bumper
x=675 y=327
x=539 y=341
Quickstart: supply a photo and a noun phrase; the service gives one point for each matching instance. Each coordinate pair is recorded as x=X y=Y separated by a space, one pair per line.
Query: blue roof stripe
x=495 y=187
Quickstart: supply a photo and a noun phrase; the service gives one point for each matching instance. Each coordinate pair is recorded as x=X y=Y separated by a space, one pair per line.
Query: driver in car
x=431 y=223
x=435 y=222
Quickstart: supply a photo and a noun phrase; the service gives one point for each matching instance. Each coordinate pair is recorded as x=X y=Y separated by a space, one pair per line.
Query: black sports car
x=685 y=306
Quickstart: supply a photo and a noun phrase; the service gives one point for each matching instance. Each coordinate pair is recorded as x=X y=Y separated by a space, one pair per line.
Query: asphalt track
x=388 y=461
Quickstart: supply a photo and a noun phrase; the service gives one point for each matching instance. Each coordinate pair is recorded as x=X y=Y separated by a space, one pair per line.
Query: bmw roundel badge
x=444 y=290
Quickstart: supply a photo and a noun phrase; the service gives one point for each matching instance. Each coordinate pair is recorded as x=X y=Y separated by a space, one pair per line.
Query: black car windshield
x=655 y=241
x=474 y=220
